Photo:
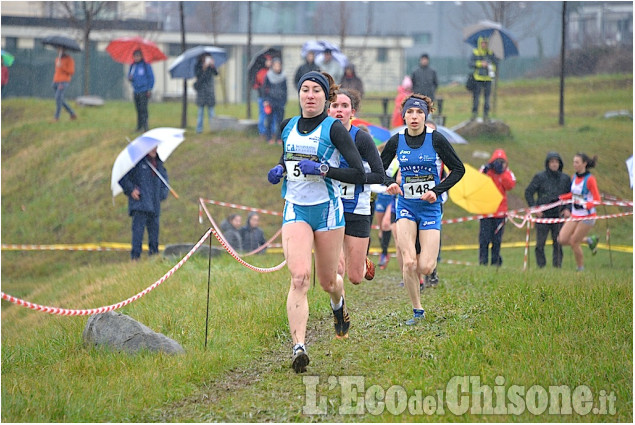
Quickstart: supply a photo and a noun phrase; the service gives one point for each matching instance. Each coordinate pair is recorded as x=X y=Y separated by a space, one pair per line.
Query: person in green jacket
x=483 y=62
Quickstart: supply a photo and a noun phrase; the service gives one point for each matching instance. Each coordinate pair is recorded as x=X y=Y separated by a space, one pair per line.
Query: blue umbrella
x=501 y=41
x=319 y=46
x=183 y=66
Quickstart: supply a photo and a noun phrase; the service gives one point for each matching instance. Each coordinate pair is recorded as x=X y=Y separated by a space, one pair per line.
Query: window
x=382 y=54
x=422 y=38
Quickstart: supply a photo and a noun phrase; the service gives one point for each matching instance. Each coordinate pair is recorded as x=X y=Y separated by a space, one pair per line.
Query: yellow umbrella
x=476 y=192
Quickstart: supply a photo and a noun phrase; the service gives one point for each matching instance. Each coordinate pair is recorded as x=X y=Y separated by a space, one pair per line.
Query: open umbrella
x=379 y=133
x=7 y=58
x=257 y=62
x=183 y=66
x=501 y=41
x=451 y=135
x=165 y=139
x=476 y=192
x=121 y=50
x=319 y=46
x=61 y=41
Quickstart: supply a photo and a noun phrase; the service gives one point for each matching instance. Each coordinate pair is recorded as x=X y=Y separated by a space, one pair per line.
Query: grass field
x=515 y=332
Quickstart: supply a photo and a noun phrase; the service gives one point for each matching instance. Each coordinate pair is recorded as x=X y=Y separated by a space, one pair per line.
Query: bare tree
x=82 y=16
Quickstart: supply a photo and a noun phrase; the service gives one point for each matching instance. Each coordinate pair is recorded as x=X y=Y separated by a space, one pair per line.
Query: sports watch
x=324 y=168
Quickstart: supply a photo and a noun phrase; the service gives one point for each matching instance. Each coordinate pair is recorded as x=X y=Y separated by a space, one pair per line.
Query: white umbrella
x=452 y=136
x=165 y=139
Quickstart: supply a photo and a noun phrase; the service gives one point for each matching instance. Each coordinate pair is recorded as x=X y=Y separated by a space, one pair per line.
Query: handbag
x=197 y=85
x=471 y=82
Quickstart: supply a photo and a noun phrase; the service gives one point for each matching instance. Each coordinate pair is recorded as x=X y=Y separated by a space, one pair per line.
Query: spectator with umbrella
x=330 y=65
x=483 y=62
x=141 y=77
x=204 y=86
x=5 y=76
x=64 y=70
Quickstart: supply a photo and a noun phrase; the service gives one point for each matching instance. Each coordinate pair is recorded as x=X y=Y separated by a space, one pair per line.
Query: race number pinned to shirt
x=292 y=163
x=415 y=186
x=347 y=190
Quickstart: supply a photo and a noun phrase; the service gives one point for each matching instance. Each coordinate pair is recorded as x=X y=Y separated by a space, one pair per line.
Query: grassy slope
x=55 y=188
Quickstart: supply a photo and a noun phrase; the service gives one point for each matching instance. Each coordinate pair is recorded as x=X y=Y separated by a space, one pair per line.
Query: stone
x=119 y=332
x=478 y=127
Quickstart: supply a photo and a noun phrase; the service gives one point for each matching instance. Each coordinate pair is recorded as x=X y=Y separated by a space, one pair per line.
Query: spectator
x=308 y=66
x=145 y=192
x=258 y=85
x=585 y=195
x=483 y=62
x=204 y=86
x=424 y=78
x=5 y=77
x=331 y=66
x=404 y=91
x=351 y=80
x=230 y=227
x=491 y=229
x=251 y=235
x=141 y=77
x=275 y=98
x=64 y=70
x=548 y=185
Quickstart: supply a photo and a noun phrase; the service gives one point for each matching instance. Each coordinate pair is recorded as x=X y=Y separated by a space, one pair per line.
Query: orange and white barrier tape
x=219 y=235
x=88 y=312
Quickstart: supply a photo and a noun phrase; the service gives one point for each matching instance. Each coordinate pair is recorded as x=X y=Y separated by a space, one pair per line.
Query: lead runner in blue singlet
x=421 y=153
x=313 y=216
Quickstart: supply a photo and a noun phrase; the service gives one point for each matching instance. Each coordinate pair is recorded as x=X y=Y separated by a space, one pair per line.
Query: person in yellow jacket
x=64 y=70
x=483 y=62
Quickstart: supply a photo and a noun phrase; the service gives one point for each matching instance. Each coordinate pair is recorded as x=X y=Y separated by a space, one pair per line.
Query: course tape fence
x=511 y=216
x=221 y=239
x=88 y=312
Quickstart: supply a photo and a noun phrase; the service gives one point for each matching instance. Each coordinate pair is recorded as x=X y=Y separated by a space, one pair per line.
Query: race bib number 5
x=294 y=174
x=415 y=186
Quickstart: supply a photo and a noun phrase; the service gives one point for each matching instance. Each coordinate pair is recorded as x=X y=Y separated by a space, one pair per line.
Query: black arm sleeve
x=387 y=155
x=369 y=153
x=283 y=124
x=341 y=139
x=449 y=157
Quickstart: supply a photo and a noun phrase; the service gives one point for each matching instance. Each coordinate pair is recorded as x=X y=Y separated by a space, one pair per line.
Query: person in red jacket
x=585 y=195
x=5 y=77
x=491 y=229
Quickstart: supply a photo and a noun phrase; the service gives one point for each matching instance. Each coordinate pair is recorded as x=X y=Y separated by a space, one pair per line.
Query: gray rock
x=478 y=127
x=119 y=332
x=179 y=250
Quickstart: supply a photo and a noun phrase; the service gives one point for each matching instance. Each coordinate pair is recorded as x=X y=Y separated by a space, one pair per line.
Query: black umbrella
x=258 y=61
x=61 y=41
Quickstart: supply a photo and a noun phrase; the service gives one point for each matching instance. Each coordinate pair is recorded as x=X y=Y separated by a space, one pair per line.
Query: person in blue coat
x=145 y=191
x=141 y=77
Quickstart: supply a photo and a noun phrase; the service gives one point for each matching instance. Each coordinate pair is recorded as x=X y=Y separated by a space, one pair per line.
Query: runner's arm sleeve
x=369 y=153
x=450 y=159
x=592 y=184
x=387 y=155
x=341 y=139
x=283 y=124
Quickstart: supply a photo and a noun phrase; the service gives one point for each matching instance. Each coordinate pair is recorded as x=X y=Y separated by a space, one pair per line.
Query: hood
x=478 y=44
x=550 y=156
x=251 y=214
x=498 y=153
x=352 y=68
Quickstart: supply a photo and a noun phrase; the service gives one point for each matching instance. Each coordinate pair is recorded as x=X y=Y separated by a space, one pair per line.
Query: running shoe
x=593 y=243
x=341 y=321
x=433 y=279
x=300 y=358
x=418 y=316
x=370 y=270
x=383 y=261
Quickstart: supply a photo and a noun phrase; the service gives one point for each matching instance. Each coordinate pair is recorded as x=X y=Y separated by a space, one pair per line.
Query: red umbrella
x=121 y=50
